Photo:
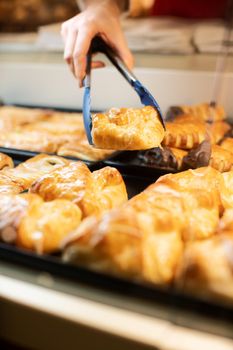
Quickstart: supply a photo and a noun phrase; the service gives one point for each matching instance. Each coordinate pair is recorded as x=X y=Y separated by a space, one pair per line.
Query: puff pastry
x=92 y=192
x=227 y=144
x=29 y=222
x=128 y=243
x=188 y=135
x=196 y=274
x=127 y=129
x=221 y=159
x=202 y=112
x=5 y=161
x=30 y=140
x=27 y=172
x=83 y=150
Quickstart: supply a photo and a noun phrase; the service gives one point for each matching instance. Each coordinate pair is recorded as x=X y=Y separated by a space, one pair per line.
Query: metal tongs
x=98 y=45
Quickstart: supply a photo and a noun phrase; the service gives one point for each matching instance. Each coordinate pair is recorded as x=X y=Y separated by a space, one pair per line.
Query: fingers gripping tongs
x=98 y=45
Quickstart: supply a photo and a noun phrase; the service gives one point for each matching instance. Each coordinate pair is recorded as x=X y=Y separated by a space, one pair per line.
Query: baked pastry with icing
x=196 y=274
x=27 y=172
x=127 y=243
x=201 y=112
x=92 y=192
x=127 y=129
x=80 y=148
x=29 y=222
x=5 y=161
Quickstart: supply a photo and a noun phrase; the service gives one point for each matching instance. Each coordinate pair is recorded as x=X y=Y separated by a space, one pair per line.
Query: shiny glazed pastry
x=92 y=192
x=227 y=144
x=127 y=129
x=202 y=112
x=187 y=135
x=81 y=149
x=128 y=243
x=27 y=221
x=5 y=161
x=27 y=172
x=206 y=267
x=221 y=159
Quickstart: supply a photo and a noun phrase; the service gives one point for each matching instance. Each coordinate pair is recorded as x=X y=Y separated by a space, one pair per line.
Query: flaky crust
x=92 y=192
x=5 y=161
x=189 y=134
x=227 y=144
x=127 y=129
x=83 y=150
x=198 y=275
x=221 y=159
x=29 y=222
x=125 y=242
x=202 y=112
x=27 y=172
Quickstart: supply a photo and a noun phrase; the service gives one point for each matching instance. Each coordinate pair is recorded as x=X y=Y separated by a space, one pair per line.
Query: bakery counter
x=64 y=314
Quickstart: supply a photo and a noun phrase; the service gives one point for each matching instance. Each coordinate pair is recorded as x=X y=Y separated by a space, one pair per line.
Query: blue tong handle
x=147 y=99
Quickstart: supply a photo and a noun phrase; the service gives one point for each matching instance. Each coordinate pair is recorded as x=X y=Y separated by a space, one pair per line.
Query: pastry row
x=40 y=130
x=168 y=234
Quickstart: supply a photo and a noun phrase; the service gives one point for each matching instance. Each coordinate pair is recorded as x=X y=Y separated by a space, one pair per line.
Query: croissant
x=29 y=222
x=195 y=272
x=92 y=192
x=128 y=243
x=81 y=149
x=5 y=161
x=127 y=129
x=27 y=172
x=202 y=112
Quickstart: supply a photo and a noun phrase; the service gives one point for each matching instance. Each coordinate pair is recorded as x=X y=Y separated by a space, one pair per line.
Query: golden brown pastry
x=202 y=112
x=7 y=185
x=227 y=189
x=5 y=161
x=11 y=116
x=128 y=243
x=27 y=172
x=226 y=221
x=179 y=154
x=221 y=159
x=29 y=222
x=187 y=135
x=184 y=135
x=30 y=140
x=227 y=144
x=80 y=148
x=92 y=192
x=206 y=267
x=127 y=129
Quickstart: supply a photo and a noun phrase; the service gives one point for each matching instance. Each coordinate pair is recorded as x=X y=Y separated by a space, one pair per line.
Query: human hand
x=102 y=18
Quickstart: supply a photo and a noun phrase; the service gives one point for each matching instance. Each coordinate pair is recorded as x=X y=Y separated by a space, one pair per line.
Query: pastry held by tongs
x=123 y=128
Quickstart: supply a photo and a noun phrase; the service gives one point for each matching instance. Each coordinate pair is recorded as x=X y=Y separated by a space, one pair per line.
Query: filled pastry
x=127 y=129
x=27 y=221
x=5 y=161
x=30 y=140
x=202 y=112
x=188 y=135
x=22 y=176
x=92 y=192
x=127 y=243
x=83 y=150
x=221 y=159
x=206 y=267
x=227 y=144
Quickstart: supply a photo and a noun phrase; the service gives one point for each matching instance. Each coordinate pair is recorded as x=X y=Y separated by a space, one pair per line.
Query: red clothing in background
x=190 y=8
